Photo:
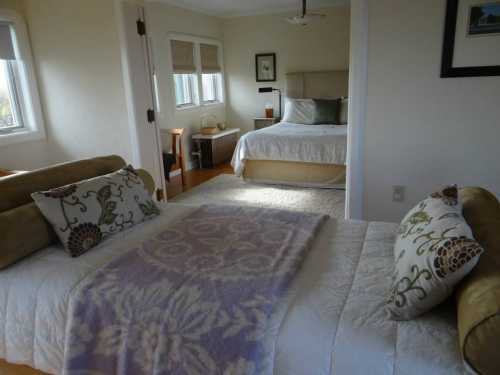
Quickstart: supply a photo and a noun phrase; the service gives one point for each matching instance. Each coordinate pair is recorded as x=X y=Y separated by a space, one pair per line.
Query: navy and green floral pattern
x=434 y=250
x=85 y=213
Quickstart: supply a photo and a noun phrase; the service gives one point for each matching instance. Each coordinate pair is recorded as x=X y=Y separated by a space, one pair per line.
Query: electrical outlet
x=398 y=193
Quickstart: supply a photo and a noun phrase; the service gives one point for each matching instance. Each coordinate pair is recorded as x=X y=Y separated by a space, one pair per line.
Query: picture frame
x=265 y=67
x=472 y=33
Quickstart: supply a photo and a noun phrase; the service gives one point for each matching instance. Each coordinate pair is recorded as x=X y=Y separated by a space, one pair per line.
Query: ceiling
x=235 y=8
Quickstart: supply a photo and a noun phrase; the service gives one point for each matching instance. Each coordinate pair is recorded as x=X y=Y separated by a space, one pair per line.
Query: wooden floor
x=194 y=178
x=8 y=369
x=3 y=173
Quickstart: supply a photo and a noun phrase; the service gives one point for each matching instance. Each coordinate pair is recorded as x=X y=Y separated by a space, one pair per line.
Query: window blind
x=209 y=58
x=183 y=57
x=6 y=44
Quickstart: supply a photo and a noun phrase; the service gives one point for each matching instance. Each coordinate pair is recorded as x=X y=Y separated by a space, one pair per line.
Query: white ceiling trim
x=257 y=12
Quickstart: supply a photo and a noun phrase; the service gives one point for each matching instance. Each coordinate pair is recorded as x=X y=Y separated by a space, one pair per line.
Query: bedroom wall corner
x=80 y=76
x=422 y=131
x=80 y=82
x=322 y=45
x=358 y=71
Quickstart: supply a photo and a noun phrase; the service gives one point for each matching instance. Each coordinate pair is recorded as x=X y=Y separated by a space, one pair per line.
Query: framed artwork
x=471 y=39
x=265 y=67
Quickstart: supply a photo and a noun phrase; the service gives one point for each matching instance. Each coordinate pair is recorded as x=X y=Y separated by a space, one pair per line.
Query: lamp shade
x=271 y=89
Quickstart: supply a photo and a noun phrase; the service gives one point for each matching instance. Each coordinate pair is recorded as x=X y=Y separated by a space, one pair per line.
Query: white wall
x=25 y=155
x=163 y=20
x=422 y=131
x=12 y=4
x=77 y=58
x=323 y=45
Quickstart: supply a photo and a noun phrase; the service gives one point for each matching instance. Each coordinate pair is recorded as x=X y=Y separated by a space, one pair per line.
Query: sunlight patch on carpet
x=229 y=189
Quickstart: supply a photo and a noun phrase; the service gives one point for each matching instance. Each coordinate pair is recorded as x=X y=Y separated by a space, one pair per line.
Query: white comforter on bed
x=335 y=322
x=322 y=144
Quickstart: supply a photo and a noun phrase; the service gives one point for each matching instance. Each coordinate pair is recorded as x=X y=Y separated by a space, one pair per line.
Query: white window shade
x=6 y=45
x=210 y=58
x=183 y=57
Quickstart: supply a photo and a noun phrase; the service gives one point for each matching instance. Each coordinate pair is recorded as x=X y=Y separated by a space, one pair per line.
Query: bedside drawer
x=260 y=123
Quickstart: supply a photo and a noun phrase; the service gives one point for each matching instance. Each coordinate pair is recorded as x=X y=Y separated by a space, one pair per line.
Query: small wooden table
x=215 y=149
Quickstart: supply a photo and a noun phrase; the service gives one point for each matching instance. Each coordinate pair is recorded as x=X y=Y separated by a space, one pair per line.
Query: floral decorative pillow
x=434 y=250
x=85 y=213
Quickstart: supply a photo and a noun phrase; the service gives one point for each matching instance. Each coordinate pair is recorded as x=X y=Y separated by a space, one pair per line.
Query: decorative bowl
x=209 y=130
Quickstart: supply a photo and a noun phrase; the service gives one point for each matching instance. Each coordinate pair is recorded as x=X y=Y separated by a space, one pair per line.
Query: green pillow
x=326 y=111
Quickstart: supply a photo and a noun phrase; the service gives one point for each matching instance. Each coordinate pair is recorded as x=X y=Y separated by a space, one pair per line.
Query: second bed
x=292 y=153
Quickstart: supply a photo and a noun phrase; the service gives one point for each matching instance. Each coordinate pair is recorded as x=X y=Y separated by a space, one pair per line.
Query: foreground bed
x=334 y=316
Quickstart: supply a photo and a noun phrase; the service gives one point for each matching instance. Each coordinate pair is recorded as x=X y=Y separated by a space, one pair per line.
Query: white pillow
x=85 y=213
x=434 y=250
x=299 y=111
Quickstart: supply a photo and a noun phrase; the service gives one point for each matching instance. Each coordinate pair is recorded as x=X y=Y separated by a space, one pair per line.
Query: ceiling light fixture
x=305 y=18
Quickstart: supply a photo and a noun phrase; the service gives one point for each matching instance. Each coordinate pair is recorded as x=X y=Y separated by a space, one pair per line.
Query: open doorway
x=237 y=100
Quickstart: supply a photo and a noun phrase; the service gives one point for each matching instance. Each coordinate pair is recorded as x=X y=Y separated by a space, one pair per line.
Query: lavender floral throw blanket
x=199 y=298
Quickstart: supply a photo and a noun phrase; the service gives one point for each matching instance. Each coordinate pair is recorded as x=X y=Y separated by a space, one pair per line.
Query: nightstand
x=264 y=122
x=215 y=149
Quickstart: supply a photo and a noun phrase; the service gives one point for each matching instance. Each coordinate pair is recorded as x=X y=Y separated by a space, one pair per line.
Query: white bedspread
x=322 y=144
x=335 y=322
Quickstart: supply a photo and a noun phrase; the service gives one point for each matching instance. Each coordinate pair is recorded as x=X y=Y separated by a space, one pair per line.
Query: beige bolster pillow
x=16 y=190
x=24 y=230
x=478 y=295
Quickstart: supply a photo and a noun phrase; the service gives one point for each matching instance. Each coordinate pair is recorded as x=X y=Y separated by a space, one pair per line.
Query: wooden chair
x=177 y=138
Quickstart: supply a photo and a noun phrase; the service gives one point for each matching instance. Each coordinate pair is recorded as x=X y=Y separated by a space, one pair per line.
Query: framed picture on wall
x=471 y=39
x=265 y=67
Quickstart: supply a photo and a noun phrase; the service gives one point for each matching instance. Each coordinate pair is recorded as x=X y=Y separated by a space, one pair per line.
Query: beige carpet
x=229 y=189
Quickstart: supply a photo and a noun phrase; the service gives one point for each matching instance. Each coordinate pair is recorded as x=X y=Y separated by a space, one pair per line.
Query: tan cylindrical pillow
x=478 y=295
x=16 y=190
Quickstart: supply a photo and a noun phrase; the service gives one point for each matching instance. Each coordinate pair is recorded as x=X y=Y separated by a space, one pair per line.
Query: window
x=20 y=111
x=185 y=90
x=197 y=72
x=10 y=113
x=212 y=87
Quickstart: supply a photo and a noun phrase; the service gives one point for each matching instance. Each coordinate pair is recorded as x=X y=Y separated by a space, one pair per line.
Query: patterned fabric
x=434 y=250
x=198 y=298
x=85 y=213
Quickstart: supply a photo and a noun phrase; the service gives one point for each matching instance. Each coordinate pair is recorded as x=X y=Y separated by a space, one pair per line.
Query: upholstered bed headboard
x=324 y=84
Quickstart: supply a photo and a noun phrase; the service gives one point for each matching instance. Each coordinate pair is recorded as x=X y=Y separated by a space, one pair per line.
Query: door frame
x=133 y=120
x=358 y=87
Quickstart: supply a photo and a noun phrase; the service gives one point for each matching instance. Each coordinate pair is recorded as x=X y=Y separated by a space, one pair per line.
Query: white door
x=144 y=131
